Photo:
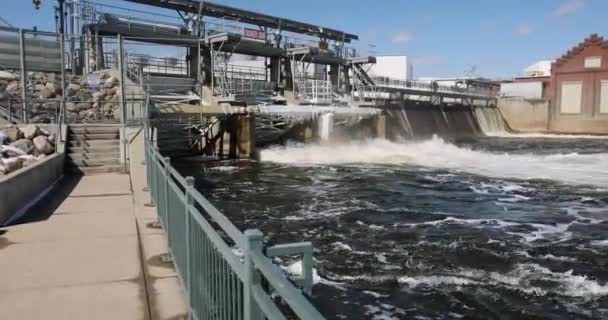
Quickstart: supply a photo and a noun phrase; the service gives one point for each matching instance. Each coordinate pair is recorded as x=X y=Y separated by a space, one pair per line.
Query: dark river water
x=493 y=228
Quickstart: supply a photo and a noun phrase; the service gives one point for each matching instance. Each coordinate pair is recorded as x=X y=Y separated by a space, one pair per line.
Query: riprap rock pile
x=20 y=147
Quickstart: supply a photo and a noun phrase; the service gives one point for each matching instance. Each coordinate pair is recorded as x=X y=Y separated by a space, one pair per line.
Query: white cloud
x=402 y=37
x=524 y=29
x=428 y=60
x=568 y=7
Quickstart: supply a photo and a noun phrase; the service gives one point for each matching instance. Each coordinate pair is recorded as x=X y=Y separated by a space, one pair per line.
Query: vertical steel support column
x=73 y=12
x=121 y=70
x=199 y=71
x=62 y=49
x=23 y=76
x=253 y=245
x=123 y=103
x=212 y=66
x=189 y=202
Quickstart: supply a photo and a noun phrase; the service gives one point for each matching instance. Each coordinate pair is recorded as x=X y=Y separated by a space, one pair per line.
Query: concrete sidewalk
x=96 y=257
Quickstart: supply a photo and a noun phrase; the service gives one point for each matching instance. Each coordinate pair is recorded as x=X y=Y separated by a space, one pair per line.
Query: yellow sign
x=323 y=45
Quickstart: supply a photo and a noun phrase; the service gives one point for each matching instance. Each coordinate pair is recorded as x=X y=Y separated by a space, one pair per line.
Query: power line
x=6 y=22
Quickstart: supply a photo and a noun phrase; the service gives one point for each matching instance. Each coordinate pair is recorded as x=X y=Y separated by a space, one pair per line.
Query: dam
x=145 y=173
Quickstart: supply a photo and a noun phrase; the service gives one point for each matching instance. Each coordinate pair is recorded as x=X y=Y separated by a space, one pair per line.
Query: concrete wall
x=529 y=90
x=525 y=115
x=24 y=187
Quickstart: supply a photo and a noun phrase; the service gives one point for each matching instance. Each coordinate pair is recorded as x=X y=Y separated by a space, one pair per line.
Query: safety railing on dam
x=225 y=273
x=422 y=86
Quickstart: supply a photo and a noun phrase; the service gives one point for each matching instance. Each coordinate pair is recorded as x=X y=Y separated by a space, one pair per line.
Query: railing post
x=253 y=245
x=189 y=203
x=23 y=76
x=121 y=66
x=151 y=164
x=166 y=175
x=307 y=268
x=63 y=82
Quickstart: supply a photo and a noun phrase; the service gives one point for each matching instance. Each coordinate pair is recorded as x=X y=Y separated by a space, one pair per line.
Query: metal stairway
x=363 y=76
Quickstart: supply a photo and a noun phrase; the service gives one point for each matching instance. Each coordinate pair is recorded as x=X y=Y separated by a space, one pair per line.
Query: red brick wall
x=573 y=69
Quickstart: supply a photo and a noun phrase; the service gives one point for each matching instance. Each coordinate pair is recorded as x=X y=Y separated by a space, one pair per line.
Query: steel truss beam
x=215 y=10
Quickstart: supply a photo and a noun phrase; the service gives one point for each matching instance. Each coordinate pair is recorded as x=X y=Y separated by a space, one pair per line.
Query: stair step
x=94 y=149
x=97 y=170
x=93 y=162
x=95 y=156
x=94 y=136
x=94 y=130
x=93 y=143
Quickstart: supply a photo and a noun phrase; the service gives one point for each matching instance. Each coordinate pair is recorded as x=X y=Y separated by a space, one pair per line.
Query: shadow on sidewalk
x=45 y=208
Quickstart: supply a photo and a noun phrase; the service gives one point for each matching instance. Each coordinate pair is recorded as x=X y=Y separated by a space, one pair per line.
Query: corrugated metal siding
x=40 y=54
x=529 y=90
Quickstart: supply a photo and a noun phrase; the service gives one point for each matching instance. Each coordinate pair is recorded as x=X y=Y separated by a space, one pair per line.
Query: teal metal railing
x=226 y=274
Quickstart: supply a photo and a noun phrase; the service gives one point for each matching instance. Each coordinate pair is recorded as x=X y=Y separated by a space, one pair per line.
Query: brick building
x=579 y=89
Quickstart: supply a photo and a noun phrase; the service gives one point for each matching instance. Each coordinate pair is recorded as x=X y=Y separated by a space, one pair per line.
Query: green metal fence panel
x=221 y=268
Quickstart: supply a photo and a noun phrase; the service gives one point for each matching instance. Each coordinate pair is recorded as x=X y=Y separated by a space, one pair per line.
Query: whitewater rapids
x=570 y=168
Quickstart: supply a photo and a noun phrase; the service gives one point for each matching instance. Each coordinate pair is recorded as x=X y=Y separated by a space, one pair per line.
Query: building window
x=593 y=62
x=571 y=97
x=604 y=97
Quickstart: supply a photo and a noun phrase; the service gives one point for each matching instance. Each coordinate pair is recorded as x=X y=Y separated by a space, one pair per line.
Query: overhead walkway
x=386 y=85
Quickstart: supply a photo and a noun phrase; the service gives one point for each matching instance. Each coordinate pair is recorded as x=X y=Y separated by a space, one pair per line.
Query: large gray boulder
x=110 y=82
x=42 y=118
x=13 y=88
x=10 y=165
x=52 y=87
x=46 y=93
x=8 y=151
x=83 y=106
x=31 y=131
x=24 y=145
x=7 y=75
x=74 y=86
x=13 y=133
x=98 y=96
x=43 y=145
x=27 y=160
x=71 y=107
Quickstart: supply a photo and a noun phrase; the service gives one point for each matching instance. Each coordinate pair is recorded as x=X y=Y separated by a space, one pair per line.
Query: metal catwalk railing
x=430 y=87
x=225 y=273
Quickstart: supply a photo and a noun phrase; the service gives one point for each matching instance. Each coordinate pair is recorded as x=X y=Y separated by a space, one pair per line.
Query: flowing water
x=477 y=228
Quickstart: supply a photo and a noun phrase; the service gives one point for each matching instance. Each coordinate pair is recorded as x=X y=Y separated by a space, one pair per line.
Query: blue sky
x=442 y=38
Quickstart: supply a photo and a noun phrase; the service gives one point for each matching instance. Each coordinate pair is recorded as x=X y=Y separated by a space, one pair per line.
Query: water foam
x=524 y=277
x=573 y=168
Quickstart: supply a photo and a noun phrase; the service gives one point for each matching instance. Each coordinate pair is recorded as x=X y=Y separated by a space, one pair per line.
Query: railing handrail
x=414 y=84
